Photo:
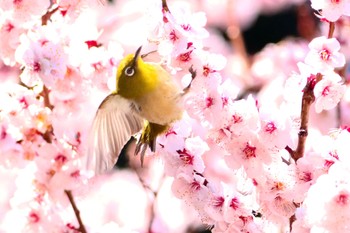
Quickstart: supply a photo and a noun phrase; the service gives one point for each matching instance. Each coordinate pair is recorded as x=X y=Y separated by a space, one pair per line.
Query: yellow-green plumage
x=143 y=81
x=145 y=95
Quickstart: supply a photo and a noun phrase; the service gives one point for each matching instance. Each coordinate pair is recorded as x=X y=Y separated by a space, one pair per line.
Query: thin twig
x=45 y=18
x=331 y=29
x=76 y=211
x=45 y=94
x=49 y=132
x=293 y=217
x=165 y=6
x=291 y=220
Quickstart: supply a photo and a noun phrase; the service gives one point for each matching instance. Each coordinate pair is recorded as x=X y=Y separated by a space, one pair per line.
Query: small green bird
x=147 y=98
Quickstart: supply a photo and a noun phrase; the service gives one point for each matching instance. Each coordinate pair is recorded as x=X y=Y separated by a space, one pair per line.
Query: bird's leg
x=149 y=138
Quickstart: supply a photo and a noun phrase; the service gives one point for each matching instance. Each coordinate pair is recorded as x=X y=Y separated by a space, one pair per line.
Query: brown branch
x=45 y=94
x=293 y=217
x=165 y=6
x=331 y=29
x=45 y=18
x=291 y=220
x=254 y=89
x=76 y=211
x=49 y=132
x=307 y=100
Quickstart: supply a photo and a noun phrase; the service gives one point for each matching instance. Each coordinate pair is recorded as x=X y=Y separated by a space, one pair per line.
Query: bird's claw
x=148 y=138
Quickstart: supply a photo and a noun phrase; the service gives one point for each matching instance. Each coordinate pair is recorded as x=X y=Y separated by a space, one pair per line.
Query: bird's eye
x=129 y=71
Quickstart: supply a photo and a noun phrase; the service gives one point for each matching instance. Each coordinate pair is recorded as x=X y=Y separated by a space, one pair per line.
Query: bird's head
x=135 y=77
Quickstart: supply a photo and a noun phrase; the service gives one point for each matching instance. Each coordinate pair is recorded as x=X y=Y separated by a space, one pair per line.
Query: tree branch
x=45 y=18
x=307 y=100
x=49 y=132
x=45 y=94
x=76 y=211
x=331 y=29
x=165 y=6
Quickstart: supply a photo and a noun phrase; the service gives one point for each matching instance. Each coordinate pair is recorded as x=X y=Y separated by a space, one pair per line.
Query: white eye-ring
x=129 y=71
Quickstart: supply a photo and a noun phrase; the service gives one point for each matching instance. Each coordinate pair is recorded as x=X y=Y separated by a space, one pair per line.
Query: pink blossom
x=340 y=146
x=274 y=128
x=299 y=225
x=248 y=152
x=329 y=211
x=293 y=89
x=42 y=60
x=186 y=158
x=187 y=23
x=204 y=104
x=308 y=169
x=9 y=33
x=225 y=161
x=184 y=32
x=212 y=63
x=195 y=189
x=244 y=116
x=332 y=10
x=328 y=92
x=324 y=54
x=26 y=12
x=71 y=9
x=276 y=192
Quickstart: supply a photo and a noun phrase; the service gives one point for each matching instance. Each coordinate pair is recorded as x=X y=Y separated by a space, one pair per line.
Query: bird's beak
x=137 y=54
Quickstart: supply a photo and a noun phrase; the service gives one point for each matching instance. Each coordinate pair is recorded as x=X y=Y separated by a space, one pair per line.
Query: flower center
x=234 y=204
x=249 y=151
x=270 y=127
x=8 y=27
x=186 y=157
x=325 y=91
x=185 y=57
x=237 y=119
x=195 y=186
x=325 y=54
x=33 y=217
x=36 y=67
x=209 y=101
x=172 y=36
x=219 y=202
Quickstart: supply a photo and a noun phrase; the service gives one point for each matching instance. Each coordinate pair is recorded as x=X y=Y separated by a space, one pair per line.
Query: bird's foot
x=148 y=138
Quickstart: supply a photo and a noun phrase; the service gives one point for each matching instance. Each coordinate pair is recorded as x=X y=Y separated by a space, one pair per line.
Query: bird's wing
x=115 y=122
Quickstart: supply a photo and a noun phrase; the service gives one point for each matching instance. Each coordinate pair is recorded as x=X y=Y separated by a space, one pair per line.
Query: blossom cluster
x=229 y=159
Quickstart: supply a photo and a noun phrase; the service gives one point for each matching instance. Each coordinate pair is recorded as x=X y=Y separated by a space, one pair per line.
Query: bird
x=146 y=98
